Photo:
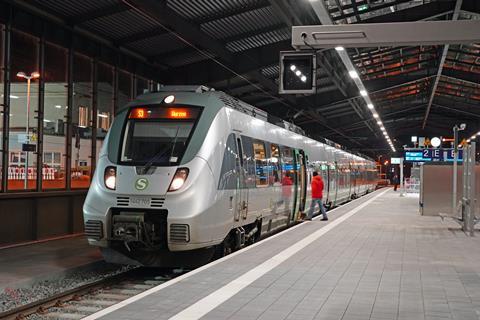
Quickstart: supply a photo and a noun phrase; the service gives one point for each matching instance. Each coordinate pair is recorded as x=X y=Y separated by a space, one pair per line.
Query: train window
x=288 y=167
x=248 y=161
x=159 y=142
x=228 y=175
x=261 y=165
x=275 y=166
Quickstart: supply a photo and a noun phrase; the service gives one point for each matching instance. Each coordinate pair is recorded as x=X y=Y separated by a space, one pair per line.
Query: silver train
x=187 y=174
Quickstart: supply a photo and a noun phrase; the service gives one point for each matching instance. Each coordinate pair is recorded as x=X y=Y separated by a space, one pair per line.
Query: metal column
x=468 y=199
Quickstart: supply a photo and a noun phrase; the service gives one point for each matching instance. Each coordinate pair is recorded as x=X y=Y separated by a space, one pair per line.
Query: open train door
x=300 y=189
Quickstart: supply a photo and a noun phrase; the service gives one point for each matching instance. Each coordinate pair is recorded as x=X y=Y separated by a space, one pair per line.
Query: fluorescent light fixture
x=473 y=137
x=58 y=106
x=353 y=74
x=102 y=115
x=379 y=122
x=375 y=115
x=363 y=93
x=414 y=138
x=339 y=48
x=370 y=106
x=478 y=133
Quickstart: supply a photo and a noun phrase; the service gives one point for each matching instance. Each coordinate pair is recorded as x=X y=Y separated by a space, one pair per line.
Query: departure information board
x=431 y=155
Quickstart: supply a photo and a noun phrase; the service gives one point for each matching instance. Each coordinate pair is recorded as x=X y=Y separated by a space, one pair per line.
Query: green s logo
x=141 y=184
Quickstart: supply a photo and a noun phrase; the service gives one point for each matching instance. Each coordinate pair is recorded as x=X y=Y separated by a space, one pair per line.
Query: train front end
x=142 y=206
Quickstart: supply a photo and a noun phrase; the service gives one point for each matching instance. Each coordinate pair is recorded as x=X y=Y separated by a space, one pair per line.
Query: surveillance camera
x=463 y=126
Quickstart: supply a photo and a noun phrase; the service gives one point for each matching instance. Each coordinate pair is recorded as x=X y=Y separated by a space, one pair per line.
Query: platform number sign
x=297 y=72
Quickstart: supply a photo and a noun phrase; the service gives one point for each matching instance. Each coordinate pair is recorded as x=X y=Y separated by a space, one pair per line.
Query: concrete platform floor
x=19 y=266
x=384 y=262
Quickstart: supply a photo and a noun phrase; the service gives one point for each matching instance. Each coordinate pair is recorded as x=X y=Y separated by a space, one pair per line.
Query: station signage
x=431 y=155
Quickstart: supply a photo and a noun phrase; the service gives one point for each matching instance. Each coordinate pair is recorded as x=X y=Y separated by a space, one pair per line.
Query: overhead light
x=414 y=138
x=101 y=115
x=353 y=74
x=468 y=140
x=298 y=73
x=370 y=106
x=58 y=106
x=478 y=133
x=293 y=67
x=379 y=122
x=436 y=142
x=375 y=115
x=473 y=137
x=363 y=93
x=339 y=48
x=303 y=78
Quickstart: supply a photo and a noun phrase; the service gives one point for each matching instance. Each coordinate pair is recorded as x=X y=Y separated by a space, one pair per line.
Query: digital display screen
x=178 y=113
x=431 y=155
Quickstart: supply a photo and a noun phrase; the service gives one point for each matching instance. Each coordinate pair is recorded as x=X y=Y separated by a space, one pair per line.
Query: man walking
x=317 y=195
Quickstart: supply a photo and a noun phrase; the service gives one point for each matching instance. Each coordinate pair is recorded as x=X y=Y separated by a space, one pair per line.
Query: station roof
x=233 y=45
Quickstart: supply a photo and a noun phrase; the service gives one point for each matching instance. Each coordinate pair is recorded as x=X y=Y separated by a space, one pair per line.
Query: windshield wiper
x=160 y=154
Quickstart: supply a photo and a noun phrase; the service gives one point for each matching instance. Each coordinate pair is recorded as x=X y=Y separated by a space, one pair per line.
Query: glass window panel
x=105 y=102
x=142 y=86
x=230 y=169
x=261 y=165
x=24 y=57
x=55 y=102
x=248 y=161
x=2 y=39
x=124 y=88
x=82 y=122
x=276 y=170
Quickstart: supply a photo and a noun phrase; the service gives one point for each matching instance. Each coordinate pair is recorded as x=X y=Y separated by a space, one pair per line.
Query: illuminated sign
x=164 y=113
x=395 y=160
x=431 y=155
x=178 y=113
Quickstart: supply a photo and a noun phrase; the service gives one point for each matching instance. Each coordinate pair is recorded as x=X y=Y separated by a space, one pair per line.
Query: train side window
x=261 y=165
x=275 y=164
x=248 y=161
x=288 y=167
x=228 y=175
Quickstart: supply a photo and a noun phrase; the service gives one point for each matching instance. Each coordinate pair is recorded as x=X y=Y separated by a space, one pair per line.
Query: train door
x=300 y=184
x=241 y=195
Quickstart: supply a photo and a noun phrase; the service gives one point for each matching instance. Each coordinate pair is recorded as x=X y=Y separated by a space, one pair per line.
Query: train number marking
x=140 y=202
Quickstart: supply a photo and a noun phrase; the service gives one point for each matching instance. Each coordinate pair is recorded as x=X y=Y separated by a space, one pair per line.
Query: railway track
x=87 y=299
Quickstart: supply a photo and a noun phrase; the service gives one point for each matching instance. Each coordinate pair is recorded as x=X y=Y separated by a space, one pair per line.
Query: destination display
x=431 y=155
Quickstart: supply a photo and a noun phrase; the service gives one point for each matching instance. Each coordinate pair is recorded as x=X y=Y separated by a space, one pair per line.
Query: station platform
x=21 y=266
x=376 y=258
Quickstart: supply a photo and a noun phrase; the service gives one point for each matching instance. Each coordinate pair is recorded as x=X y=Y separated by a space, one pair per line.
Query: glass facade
x=23 y=128
x=2 y=76
x=46 y=80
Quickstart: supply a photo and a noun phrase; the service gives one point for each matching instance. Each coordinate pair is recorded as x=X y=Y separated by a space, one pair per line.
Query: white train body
x=233 y=192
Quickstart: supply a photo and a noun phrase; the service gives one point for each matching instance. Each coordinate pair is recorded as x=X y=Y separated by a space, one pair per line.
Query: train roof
x=238 y=105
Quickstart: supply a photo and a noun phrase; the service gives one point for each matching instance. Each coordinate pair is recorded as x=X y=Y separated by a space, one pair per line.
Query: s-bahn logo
x=141 y=184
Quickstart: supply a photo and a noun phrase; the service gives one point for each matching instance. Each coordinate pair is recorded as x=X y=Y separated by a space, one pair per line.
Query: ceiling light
x=370 y=106
x=375 y=115
x=303 y=78
x=293 y=67
x=379 y=122
x=58 y=106
x=473 y=137
x=298 y=73
x=363 y=93
x=339 y=48
x=353 y=74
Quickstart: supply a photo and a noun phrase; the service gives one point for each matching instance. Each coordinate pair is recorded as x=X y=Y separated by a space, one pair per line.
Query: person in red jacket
x=317 y=195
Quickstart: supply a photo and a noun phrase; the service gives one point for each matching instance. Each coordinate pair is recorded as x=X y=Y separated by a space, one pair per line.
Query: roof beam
x=456 y=11
x=98 y=13
x=141 y=35
x=234 y=12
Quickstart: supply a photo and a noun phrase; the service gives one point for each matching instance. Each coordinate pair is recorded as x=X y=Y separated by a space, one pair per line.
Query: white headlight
x=110 y=182
x=177 y=183
x=169 y=99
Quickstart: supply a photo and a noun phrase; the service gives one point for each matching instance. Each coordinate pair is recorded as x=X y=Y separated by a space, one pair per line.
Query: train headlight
x=110 y=178
x=178 y=179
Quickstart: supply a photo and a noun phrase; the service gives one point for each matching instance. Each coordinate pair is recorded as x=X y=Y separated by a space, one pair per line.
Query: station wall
x=82 y=83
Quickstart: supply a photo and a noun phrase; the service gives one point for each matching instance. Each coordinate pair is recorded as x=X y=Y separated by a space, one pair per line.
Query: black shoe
x=324 y=219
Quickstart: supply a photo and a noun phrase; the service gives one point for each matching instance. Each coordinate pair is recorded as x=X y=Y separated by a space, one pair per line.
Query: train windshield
x=150 y=139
